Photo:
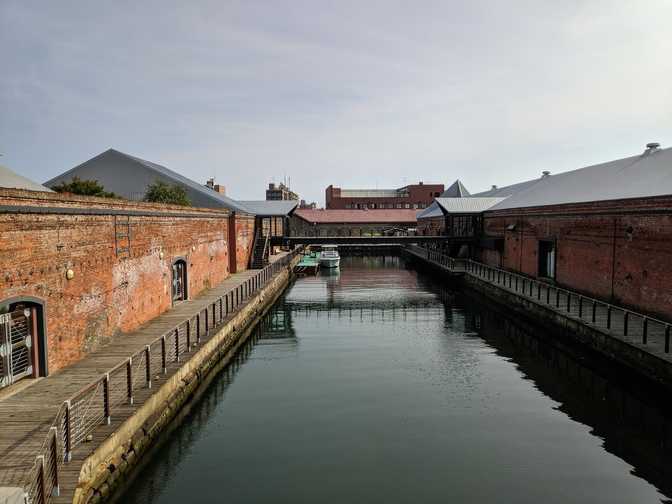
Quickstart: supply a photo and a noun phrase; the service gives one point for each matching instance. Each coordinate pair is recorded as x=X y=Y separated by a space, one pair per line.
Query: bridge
x=363 y=240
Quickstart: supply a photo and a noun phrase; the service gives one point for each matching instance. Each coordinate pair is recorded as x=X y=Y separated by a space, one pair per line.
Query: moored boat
x=329 y=257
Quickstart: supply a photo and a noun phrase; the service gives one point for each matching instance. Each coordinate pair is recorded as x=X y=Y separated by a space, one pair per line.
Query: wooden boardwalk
x=646 y=334
x=26 y=416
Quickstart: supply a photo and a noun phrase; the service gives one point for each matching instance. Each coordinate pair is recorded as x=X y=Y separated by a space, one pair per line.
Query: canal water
x=380 y=384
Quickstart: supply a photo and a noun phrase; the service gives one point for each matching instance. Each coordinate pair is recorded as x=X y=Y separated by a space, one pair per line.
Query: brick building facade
x=90 y=268
x=614 y=250
x=409 y=197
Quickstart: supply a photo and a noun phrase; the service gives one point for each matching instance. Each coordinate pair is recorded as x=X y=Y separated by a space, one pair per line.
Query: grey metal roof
x=467 y=205
x=645 y=175
x=506 y=191
x=274 y=208
x=433 y=210
x=128 y=176
x=12 y=180
x=457 y=190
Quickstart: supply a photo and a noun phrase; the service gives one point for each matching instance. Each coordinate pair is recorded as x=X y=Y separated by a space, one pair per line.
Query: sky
x=358 y=94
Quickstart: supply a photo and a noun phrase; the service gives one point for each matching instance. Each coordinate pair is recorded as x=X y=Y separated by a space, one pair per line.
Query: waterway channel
x=381 y=384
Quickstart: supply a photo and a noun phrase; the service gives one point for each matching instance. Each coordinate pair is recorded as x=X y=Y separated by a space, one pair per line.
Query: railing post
x=667 y=338
x=594 y=314
x=198 y=328
x=548 y=295
x=129 y=380
x=67 y=437
x=645 y=330
x=42 y=478
x=56 y=487
x=188 y=335
x=148 y=366
x=106 y=399
x=207 y=322
x=609 y=317
x=580 y=306
x=177 y=344
x=214 y=314
x=557 y=298
x=626 y=316
x=164 y=364
x=569 y=301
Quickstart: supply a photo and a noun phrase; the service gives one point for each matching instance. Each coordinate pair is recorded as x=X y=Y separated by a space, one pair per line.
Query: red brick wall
x=109 y=293
x=618 y=251
x=424 y=194
x=244 y=241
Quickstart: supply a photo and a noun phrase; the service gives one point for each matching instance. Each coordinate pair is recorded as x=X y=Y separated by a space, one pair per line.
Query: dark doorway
x=547 y=258
x=179 y=286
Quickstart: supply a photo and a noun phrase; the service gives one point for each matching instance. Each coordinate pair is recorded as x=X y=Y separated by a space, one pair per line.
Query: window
x=373 y=205
x=547 y=259
x=179 y=286
x=415 y=205
x=348 y=206
x=437 y=194
x=408 y=205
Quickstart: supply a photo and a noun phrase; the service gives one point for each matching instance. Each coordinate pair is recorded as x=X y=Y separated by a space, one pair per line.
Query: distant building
x=280 y=192
x=304 y=204
x=408 y=197
x=216 y=187
x=321 y=222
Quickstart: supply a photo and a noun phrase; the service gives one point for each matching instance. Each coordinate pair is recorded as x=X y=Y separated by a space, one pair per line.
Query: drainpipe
x=613 y=260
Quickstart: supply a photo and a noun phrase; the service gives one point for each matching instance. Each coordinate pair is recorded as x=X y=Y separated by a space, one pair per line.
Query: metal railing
x=625 y=324
x=97 y=403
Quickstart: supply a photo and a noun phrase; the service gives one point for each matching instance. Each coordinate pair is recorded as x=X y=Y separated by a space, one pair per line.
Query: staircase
x=260 y=251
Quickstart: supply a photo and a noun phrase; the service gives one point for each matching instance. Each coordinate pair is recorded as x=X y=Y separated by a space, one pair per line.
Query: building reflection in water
x=629 y=414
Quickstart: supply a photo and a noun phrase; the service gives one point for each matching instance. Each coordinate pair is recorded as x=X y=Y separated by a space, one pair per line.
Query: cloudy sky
x=355 y=93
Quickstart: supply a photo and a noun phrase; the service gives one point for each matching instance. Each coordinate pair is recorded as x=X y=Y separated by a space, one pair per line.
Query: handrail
x=95 y=403
x=621 y=322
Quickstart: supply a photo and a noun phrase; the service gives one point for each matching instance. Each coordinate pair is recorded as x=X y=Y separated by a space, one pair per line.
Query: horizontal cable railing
x=625 y=324
x=97 y=403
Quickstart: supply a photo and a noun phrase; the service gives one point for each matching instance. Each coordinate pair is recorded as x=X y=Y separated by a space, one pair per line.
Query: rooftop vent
x=494 y=187
x=651 y=147
x=545 y=174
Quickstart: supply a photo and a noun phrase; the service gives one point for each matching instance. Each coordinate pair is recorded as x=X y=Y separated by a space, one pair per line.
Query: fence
x=96 y=404
x=620 y=322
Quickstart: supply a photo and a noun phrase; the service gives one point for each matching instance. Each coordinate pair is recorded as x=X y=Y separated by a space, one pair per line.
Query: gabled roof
x=433 y=210
x=107 y=169
x=467 y=205
x=645 y=175
x=272 y=208
x=457 y=190
x=12 y=180
x=321 y=216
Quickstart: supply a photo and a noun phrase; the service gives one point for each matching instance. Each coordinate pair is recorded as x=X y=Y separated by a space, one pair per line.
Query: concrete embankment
x=648 y=361
x=111 y=462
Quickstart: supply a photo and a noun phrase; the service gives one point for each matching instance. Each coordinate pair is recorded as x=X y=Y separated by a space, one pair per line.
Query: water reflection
x=377 y=383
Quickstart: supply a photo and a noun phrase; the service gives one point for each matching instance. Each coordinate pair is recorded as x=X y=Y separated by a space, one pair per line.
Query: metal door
x=16 y=341
x=179 y=279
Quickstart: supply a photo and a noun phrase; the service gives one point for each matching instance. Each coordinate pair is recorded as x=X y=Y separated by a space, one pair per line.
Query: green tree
x=160 y=192
x=84 y=187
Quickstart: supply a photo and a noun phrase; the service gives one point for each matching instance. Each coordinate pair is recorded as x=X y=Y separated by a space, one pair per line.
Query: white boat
x=329 y=257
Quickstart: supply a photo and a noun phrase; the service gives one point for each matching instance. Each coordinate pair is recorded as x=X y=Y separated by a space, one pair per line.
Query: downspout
x=613 y=260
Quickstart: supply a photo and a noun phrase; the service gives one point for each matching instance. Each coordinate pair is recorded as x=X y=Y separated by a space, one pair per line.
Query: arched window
x=23 y=349
x=179 y=284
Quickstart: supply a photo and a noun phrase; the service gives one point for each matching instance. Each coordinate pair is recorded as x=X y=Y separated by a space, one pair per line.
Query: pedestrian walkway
x=645 y=333
x=28 y=415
